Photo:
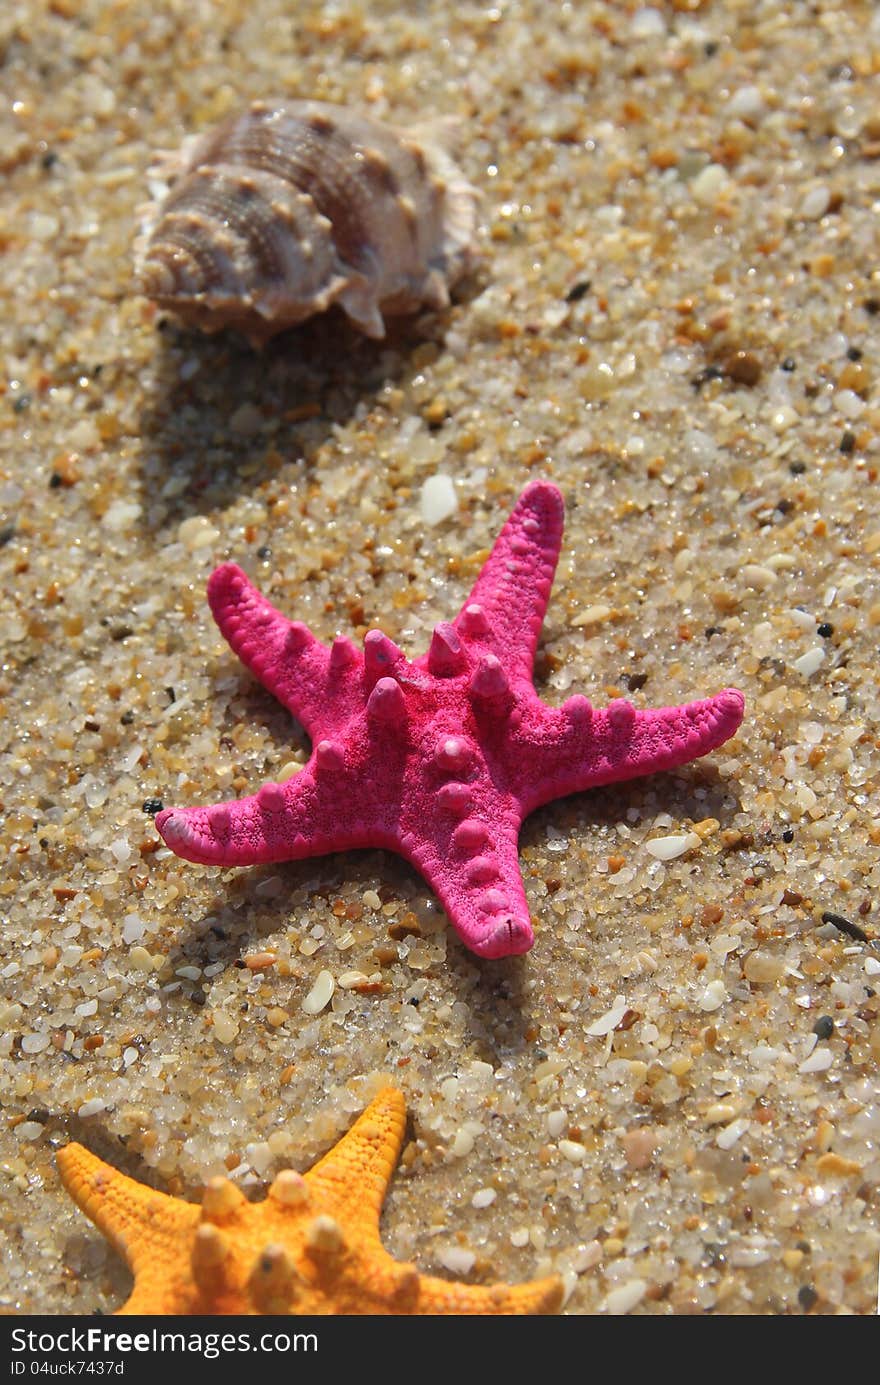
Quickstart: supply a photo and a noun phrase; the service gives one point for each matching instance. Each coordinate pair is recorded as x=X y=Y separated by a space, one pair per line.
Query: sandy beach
x=672 y=1099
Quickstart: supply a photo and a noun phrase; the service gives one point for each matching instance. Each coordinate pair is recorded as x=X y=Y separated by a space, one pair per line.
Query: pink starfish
x=439 y=759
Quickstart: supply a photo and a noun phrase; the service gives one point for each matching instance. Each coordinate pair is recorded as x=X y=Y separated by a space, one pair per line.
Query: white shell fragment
x=667 y=848
x=291 y=206
x=320 y=994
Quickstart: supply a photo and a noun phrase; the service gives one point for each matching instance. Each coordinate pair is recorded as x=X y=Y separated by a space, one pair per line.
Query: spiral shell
x=289 y=207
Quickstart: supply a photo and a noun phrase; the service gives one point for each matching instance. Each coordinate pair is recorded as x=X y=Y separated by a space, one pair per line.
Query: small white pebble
x=745 y=103
x=699 y=447
x=710 y=184
x=88 y=1007
x=587 y=1257
x=626 y=1296
x=592 y=615
x=133 y=928
x=758 y=577
x=456 y=1259
x=815 y=202
x=647 y=23
x=197 y=532
x=91 y=1108
x=320 y=994
x=668 y=848
x=520 y=1237
x=349 y=979
x=872 y=966
x=802 y=619
x=610 y=1020
x=225 y=1028
x=808 y=663
x=763 y=968
x=438 y=500
x=713 y=996
x=571 y=1150
x=556 y=1123
x=848 y=403
x=34 y=1043
x=820 y=1060
x=43 y=226
x=720 y=1111
x=121 y=515
x=129 y=1056
x=727 y=1138
x=483 y=1197
x=28 y=1130
x=783 y=419
x=140 y=959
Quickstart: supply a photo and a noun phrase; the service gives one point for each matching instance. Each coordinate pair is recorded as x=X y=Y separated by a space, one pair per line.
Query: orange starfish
x=311 y=1247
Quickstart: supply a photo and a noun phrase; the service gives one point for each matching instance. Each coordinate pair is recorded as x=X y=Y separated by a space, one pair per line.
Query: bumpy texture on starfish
x=311 y=1247
x=441 y=758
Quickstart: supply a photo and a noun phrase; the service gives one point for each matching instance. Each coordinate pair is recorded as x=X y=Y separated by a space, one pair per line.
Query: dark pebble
x=55 y=481
x=797 y=468
x=634 y=681
x=578 y=291
x=22 y=403
x=39 y=1114
x=127 y=718
x=264 y=552
x=825 y=630
x=788 y=364
x=6 y=534
x=788 y=835
x=872 y=306
x=152 y=806
x=846 y=926
x=744 y=367
x=847 y=442
x=854 y=353
x=824 y=1027
x=807 y=1297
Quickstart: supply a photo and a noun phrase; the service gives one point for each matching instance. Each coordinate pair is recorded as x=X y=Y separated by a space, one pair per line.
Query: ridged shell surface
x=289 y=207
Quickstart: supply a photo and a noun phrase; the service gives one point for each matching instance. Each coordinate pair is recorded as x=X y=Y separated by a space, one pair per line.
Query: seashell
x=291 y=206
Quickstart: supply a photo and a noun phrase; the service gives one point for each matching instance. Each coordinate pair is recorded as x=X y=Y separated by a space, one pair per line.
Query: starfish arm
x=297 y=668
x=145 y=1226
x=503 y=1300
x=351 y=1180
x=386 y=1286
x=474 y=871
x=311 y=814
x=576 y=747
x=505 y=610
